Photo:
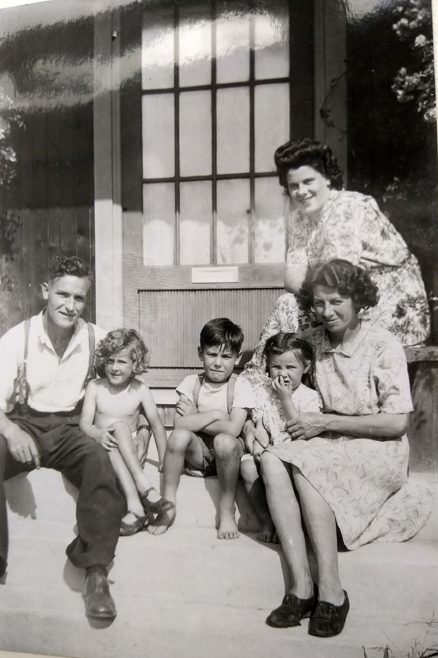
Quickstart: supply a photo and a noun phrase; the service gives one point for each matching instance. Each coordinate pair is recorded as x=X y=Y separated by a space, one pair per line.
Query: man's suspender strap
x=230 y=390
x=22 y=386
x=91 y=373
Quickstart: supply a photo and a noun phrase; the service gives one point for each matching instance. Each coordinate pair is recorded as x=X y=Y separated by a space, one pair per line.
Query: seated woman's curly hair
x=118 y=340
x=308 y=152
x=348 y=279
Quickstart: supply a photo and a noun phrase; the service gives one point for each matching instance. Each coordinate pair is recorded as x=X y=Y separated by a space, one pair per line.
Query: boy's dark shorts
x=208 y=457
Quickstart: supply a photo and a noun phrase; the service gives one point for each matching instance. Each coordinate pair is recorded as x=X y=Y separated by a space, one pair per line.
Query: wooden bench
x=423 y=424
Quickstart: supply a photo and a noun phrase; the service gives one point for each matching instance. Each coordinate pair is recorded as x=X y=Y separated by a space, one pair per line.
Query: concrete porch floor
x=186 y=594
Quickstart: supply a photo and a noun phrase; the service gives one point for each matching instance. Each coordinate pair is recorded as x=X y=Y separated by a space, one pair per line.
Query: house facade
x=144 y=135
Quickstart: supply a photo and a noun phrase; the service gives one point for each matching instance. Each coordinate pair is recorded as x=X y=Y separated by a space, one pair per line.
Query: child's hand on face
x=106 y=439
x=282 y=386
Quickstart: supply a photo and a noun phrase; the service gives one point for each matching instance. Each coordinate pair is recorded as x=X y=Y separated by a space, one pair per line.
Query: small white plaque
x=226 y=274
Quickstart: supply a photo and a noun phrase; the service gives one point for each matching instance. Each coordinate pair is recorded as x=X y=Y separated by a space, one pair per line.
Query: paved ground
x=186 y=594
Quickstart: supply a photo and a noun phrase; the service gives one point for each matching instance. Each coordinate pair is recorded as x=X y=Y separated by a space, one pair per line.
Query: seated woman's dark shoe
x=160 y=505
x=3 y=566
x=97 y=598
x=329 y=619
x=291 y=611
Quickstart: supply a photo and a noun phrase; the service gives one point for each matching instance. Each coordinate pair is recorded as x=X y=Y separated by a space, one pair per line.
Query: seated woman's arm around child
x=110 y=415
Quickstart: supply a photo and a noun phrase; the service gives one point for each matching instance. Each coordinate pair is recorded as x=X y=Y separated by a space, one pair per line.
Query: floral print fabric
x=270 y=408
x=363 y=480
x=353 y=227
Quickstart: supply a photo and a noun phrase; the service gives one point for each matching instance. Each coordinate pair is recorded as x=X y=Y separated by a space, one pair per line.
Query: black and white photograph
x=218 y=329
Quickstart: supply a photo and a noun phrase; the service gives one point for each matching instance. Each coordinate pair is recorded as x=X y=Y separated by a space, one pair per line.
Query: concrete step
x=188 y=594
x=45 y=495
x=249 y=571
x=186 y=590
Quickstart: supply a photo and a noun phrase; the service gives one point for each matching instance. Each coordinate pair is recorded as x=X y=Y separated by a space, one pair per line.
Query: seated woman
x=345 y=468
x=326 y=222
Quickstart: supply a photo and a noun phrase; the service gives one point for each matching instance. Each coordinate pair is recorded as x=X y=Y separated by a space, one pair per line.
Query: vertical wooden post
x=107 y=171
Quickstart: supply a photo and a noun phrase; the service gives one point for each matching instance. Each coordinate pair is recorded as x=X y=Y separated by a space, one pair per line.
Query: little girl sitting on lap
x=110 y=416
x=280 y=397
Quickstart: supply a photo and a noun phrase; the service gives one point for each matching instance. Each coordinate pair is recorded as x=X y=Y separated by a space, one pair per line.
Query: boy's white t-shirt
x=214 y=396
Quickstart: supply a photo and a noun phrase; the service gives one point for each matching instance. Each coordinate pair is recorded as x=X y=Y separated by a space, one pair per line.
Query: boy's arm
x=232 y=424
x=154 y=420
x=187 y=416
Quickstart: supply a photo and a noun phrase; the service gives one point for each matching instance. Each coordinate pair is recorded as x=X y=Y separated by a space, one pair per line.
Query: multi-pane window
x=216 y=104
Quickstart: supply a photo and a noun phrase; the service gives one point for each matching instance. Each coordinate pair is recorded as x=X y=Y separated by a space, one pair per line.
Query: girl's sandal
x=329 y=619
x=127 y=529
x=160 y=505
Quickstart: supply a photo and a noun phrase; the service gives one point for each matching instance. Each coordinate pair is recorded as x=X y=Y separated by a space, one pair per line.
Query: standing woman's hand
x=306 y=425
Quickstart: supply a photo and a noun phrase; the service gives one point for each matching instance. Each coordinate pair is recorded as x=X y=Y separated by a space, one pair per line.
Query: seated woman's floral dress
x=363 y=480
x=353 y=227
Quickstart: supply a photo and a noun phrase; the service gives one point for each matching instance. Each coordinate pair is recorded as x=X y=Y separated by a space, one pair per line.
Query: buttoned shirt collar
x=347 y=347
x=44 y=338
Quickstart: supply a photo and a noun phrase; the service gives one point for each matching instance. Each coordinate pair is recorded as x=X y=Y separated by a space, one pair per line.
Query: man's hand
x=105 y=439
x=23 y=447
x=306 y=425
x=185 y=407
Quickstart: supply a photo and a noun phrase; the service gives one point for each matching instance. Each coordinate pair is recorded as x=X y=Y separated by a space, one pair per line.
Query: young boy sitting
x=209 y=418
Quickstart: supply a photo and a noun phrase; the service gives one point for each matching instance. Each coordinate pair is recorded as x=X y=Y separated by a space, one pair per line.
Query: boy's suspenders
x=21 y=383
x=230 y=390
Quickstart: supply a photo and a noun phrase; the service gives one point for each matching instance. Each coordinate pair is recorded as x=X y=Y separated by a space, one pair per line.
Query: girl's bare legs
x=254 y=487
x=286 y=515
x=129 y=453
x=123 y=475
x=181 y=446
x=321 y=526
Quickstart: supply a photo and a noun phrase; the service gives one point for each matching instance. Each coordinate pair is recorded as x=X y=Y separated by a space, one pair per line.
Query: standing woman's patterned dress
x=352 y=227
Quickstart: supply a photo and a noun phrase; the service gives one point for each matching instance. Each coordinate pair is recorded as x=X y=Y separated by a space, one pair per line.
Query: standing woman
x=345 y=468
x=325 y=222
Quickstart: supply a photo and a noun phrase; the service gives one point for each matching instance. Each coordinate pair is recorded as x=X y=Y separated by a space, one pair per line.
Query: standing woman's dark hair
x=308 y=152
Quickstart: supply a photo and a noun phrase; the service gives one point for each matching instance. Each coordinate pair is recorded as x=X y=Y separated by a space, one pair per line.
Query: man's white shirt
x=55 y=383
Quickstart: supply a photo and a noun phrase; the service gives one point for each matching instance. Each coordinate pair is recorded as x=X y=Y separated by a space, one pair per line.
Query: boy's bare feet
x=227 y=528
x=268 y=534
x=162 y=522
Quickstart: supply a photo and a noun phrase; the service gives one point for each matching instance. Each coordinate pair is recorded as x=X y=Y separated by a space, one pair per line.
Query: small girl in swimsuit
x=112 y=405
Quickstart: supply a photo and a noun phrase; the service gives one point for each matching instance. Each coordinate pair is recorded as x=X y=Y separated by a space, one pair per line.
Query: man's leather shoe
x=97 y=598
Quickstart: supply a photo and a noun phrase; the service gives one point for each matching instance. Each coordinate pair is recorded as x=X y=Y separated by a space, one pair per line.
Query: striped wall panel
x=170 y=320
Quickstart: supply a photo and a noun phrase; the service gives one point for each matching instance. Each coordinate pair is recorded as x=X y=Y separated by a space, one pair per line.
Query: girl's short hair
x=348 y=279
x=117 y=340
x=221 y=331
x=289 y=342
x=308 y=152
